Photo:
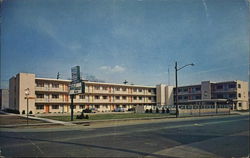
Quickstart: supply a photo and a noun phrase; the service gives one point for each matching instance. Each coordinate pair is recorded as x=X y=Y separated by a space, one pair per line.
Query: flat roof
x=99 y=83
x=117 y=84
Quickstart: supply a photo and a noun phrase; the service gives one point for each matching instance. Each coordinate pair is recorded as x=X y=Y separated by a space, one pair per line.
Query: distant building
x=232 y=92
x=52 y=95
x=4 y=98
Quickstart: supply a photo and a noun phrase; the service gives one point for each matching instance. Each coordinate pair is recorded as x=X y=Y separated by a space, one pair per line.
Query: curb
x=29 y=125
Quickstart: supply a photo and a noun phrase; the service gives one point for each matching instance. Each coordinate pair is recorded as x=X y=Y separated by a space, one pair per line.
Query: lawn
x=107 y=116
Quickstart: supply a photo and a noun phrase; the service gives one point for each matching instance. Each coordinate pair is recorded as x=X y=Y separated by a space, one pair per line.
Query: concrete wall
x=205 y=90
x=161 y=94
x=24 y=81
x=243 y=90
x=4 y=97
x=169 y=94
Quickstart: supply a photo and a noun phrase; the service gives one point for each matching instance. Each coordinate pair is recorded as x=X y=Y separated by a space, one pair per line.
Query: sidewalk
x=48 y=120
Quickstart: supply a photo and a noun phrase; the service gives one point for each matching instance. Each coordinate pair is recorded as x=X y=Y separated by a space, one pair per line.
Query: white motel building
x=52 y=95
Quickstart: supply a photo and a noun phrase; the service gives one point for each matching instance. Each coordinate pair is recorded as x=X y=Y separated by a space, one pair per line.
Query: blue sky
x=115 y=40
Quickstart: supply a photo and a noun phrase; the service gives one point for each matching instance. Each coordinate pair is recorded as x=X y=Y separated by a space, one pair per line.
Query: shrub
x=87 y=117
x=167 y=110
x=163 y=110
x=30 y=112
x=146 y=111
x=23 y=112
x=157 y=110
x=151 y=111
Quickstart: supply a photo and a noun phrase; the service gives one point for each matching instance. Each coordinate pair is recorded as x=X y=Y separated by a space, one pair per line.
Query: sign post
x=76 y=87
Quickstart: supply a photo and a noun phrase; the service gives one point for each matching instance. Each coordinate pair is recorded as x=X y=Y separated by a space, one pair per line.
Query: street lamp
x=176 y=85
x=27 y=93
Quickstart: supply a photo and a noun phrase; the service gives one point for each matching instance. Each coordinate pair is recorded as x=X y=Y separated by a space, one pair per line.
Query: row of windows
x=54 y=96
x=202 y=106
x=121 y=89
x=53 y=85
x=121 y=97
x=226 y=86
x=191 y=89
x=180 y=97
x=41 y=107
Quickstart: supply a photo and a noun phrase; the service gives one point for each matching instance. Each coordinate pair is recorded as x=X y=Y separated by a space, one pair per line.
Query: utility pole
x=72 y=106
x=176 y=91
x=176 y=85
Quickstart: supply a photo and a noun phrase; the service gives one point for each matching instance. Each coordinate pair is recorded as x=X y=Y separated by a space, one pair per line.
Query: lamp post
x=27 y=93
x=176 y=85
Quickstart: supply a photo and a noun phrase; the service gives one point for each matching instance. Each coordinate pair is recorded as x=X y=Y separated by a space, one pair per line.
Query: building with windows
x=52 y=95
x=212 y=93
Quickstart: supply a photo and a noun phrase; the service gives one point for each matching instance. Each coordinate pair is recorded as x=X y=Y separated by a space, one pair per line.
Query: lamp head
x=27 y=91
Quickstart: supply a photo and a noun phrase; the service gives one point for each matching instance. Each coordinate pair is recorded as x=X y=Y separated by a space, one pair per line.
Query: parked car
x=119 y=110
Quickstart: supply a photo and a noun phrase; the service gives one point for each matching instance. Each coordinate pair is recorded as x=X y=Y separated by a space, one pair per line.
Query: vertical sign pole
x=176 y=90
x=72 y=106
x=27 y=110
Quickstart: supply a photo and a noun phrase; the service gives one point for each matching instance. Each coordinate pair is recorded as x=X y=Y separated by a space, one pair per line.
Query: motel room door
x=47 y=108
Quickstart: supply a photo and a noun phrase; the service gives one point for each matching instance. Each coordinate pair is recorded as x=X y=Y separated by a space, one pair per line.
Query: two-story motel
x=52 y=95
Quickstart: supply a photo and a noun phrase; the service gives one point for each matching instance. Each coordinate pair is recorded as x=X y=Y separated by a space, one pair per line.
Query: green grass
x=107 y=116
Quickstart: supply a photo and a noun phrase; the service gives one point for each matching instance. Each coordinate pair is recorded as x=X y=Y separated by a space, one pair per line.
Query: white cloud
x=116 y=68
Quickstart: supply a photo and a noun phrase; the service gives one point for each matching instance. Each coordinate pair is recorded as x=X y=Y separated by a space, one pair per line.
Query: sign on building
x=77 y=86
x=75 y=73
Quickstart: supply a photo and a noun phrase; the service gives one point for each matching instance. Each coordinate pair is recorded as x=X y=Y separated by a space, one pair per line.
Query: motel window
x=135 y=90
x=219 y=87
x=239 y=86
x=134 y=98
x=55 y=106
x=40 y=95
x=124 y=89
x=97 y=97
x=97 y=88
x=185 y=97
x=240 y=104
x=117 y=89
x=149 y=98
x=219 y=96
x=55 y=96
x=39 y=84
x=105 y=88
x=239 y=95
x=140 y=98
x=39 y=107
x=97 y=106
x=197 y=97
x=117 y=97
x=104 y=97
x=55 y=85
x=232 y=95
x=231 y=86
x=81 y=96
x=82 y=106
x=124 y=97
x=179 y=97
x=185 y=89
x=74 y=107
x=197 y=88
x=149 y=90
x=140 y=90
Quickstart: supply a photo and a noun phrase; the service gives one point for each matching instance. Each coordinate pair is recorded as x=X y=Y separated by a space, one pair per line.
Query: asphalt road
x=225 y=136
